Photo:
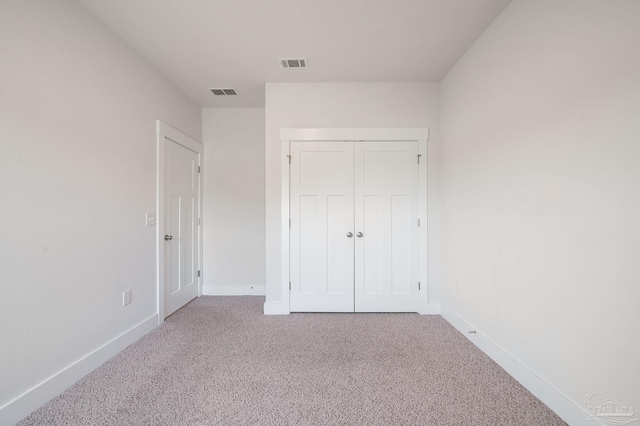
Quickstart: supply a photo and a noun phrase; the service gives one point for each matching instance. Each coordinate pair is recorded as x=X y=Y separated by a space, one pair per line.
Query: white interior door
x=386 y=227
x=321 y=203
x=181 y=226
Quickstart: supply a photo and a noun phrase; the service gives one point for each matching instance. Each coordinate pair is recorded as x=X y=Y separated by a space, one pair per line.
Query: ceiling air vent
x=224 y=92
x=294 y=63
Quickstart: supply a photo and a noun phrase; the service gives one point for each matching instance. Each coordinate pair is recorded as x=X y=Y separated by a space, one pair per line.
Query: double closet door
x=354 y=227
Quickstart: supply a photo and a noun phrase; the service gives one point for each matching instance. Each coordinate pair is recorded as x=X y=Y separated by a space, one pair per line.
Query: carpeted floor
x=219 y=361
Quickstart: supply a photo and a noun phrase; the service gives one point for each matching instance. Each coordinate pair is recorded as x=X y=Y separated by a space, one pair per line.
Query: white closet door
x=321 y=219
x=386 y=217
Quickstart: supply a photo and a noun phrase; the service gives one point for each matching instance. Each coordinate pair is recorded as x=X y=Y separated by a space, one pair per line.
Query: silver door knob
x=349 y=234
x=168 y=237
x=359 y=234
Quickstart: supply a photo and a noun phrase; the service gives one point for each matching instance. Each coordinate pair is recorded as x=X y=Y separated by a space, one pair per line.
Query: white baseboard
x=276 y=308
x=430 y=309
x=23 y=405
x=20 y=407
x=570 y=411
x=234 y=290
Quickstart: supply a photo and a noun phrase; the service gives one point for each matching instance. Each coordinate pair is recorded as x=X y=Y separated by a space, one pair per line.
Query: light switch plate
x=126 y=297
x=151 y=219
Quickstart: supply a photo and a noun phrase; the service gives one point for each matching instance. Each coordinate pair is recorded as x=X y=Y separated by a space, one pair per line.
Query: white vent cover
x=294 y=63
x=224 y=92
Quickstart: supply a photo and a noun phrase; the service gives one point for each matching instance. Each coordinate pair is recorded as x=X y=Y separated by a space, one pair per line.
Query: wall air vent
x=294 y=63
x=224 y=92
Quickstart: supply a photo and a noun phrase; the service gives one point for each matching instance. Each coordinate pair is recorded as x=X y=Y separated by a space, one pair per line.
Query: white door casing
x=179 y=236
x=278 y=303
x=388 y=202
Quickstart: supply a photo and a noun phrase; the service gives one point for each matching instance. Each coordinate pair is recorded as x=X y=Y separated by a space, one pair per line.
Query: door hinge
x=198 y=169
x=288 y=156
x=289 y=223
x=200 y=223
x=418 y=222
x=419 y=155
x=198 y=273
x=289 y=285
x=418 y=285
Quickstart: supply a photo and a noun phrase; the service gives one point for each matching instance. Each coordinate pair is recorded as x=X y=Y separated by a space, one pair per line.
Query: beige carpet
x=219 y=361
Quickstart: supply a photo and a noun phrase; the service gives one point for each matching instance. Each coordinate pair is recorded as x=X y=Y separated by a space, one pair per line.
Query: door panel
x=386 y=213
x=321 y=215
x=309 y=247
x=339 y=262
x=181 y=263
x=400 y=249
x=372 y=248
x=384 y=168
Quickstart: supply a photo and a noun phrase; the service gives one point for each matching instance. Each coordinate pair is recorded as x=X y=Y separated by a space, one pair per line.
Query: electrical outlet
x=150 y=219
x=126 y=297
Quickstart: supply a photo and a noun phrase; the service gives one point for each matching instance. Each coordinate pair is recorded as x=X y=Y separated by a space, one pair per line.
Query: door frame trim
x=420 y=135
x=167 y=133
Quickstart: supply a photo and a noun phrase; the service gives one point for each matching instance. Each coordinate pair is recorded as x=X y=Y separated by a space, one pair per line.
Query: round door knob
x=359 y=234
x=349 y=234
x=168 y=237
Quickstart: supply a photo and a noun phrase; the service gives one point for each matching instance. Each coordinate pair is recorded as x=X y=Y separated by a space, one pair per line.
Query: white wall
x=233 y=222
x=77 y=175
x=343 y=105
x=540 y=148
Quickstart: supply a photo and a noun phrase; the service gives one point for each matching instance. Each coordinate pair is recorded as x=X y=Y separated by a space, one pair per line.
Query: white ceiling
x=200 y=44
